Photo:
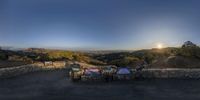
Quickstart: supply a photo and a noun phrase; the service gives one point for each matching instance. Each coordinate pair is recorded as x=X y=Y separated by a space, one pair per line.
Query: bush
x=190 y=52
x=126 y=61
x=3 y=56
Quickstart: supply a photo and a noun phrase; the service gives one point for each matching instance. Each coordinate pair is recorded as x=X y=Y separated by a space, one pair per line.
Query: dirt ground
x=55 y=85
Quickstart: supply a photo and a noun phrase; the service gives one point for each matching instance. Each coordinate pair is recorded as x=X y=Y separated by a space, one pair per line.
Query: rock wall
x=146 y=73
x=14 y=71
x=19 y=70
x=169 y=73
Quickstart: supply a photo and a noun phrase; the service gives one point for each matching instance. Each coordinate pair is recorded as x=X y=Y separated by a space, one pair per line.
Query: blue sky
x=99 y=24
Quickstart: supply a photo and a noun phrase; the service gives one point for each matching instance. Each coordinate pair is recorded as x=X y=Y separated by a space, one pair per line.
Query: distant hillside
x=40 y=54
x=188 y=56
x=49 y=54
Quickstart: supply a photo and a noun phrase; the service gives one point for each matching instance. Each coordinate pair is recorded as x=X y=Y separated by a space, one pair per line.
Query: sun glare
x=159 y=46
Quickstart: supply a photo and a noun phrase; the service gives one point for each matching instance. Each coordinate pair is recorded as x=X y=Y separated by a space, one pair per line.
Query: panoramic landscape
x=99 y=49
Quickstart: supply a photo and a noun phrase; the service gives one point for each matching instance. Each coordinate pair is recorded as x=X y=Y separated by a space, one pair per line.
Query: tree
x=188 y=44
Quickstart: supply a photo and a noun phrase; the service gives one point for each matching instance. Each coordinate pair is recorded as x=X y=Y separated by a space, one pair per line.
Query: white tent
x=123 y=71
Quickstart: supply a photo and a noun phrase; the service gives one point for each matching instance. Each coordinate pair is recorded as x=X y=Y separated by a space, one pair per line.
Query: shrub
x=3 y=56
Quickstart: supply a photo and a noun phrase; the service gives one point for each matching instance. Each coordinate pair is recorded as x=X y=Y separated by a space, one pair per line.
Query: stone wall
x=169 y=73
x=146 y=73
x=14 y=71
x=58 y=64
x=19 y=70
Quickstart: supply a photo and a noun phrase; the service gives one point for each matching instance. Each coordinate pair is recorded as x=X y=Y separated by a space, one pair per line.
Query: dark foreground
x=54 y=85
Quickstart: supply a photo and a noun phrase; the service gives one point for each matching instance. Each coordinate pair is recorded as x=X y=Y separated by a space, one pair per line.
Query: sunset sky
x=99 y=24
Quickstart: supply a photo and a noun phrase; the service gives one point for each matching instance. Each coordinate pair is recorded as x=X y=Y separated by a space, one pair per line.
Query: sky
x=99 y=24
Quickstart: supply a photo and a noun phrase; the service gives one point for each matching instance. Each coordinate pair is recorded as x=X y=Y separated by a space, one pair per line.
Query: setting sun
x=159 y=46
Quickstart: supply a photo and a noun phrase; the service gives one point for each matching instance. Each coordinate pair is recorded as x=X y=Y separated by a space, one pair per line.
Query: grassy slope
x=157 y=58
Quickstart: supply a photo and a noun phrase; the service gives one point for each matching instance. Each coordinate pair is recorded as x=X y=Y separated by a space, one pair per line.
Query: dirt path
x=54 y=85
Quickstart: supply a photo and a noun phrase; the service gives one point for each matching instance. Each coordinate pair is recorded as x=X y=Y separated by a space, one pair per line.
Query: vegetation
x=189 y=52
x=187 y=55
x=3 y=56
